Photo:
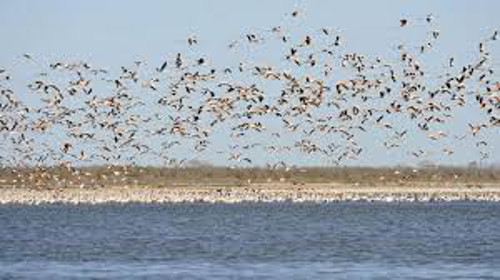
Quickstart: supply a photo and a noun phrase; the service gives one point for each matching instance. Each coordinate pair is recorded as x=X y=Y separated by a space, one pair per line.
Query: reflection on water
x=342 y=240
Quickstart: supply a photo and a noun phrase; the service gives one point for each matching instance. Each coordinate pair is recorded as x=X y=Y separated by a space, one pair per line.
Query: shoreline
x=316 y=193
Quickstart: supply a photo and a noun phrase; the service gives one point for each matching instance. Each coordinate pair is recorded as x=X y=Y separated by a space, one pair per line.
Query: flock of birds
x=316 y=99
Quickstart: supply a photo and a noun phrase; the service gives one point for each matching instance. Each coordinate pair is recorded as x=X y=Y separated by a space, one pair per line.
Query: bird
x=162 y=67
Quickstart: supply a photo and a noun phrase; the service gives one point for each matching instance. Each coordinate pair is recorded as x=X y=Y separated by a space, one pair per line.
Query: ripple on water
x=250 y=240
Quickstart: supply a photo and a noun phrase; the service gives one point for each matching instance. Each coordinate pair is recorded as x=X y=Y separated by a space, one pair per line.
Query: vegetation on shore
x=100 y=176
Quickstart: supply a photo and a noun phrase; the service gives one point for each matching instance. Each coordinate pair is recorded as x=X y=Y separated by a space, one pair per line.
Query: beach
x=276 y=192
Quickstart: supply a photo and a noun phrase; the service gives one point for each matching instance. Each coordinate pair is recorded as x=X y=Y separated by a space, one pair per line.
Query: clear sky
x=113 y=33
x=117 y=31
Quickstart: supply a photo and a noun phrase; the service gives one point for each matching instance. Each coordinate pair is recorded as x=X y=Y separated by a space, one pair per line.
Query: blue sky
x=114 y=33
x=117 y=31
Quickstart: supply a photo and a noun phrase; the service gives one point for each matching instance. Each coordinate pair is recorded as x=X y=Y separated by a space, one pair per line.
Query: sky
x=117 y=31
x=114 y=33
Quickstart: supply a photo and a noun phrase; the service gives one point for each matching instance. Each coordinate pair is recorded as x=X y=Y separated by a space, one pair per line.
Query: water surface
x=267 y=240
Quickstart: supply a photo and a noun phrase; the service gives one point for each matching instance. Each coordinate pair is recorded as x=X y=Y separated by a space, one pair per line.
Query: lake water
x=251 y=241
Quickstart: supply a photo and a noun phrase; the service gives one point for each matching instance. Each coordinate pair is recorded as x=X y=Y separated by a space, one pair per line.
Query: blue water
x=251 y=241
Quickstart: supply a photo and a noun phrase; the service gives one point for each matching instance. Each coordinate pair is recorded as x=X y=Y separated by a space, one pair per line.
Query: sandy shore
x=251 y=193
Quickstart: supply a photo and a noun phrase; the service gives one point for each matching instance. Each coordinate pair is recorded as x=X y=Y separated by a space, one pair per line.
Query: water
x=253 y=241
